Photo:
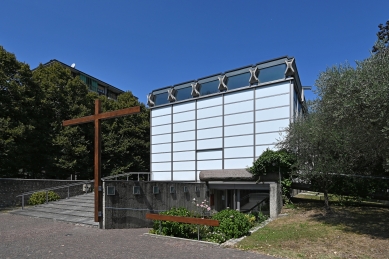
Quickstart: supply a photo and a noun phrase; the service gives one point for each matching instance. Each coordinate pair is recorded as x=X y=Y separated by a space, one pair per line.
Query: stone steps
x=78 y=209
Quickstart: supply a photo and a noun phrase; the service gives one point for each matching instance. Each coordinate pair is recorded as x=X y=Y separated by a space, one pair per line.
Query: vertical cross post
x=97 y=167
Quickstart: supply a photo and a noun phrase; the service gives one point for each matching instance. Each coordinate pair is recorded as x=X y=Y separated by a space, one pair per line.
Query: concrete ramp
x=77 y=209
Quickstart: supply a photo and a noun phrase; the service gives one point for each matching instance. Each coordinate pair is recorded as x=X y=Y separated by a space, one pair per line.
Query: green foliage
x=40 y=197
x=232 y=224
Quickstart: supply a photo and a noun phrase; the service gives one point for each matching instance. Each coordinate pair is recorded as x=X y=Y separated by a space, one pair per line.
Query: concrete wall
x=126 y=210
x=10 y=188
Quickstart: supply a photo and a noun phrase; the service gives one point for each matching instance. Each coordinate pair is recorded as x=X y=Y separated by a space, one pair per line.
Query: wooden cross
x=97 y=117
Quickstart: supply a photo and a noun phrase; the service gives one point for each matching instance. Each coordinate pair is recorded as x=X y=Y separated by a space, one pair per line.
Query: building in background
x=94 y=84
x=220 y=124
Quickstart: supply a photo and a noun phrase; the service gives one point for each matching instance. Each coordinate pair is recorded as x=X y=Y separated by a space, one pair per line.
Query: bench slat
x=199 y=221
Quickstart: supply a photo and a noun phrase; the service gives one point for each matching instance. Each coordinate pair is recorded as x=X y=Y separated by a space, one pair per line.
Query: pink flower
x=197 y=205
x=208 y=208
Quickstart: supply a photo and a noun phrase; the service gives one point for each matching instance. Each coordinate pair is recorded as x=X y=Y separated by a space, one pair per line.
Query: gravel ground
x=26 y=237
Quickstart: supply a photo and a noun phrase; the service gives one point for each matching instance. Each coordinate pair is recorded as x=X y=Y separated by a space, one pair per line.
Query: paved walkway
x=27 y=237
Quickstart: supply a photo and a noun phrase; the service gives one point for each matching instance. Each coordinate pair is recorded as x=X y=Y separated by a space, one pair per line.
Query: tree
x=383 y=37
x=19 y=98
x=347 y=130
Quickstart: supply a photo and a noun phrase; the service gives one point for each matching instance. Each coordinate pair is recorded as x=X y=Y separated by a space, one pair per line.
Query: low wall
x=127 y=210
x=10 y=188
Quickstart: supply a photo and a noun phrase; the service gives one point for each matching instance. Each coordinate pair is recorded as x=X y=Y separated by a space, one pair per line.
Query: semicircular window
x=161 y=98
x=209 y=88
x=183 y=93
x=272 y=73
x=238 y=81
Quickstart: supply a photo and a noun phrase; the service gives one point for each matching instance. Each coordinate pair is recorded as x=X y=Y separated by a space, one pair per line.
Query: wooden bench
x=188 y=220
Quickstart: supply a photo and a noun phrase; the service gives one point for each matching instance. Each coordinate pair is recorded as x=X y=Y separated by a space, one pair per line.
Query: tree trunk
x=326 y=202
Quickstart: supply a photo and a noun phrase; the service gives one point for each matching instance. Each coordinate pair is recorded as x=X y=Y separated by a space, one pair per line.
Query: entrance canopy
x=226 y=175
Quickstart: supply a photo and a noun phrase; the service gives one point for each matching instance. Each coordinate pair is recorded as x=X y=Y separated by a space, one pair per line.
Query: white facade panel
x=211 y=122
x=267 y=138
x=161 y=176
x=160 y=148
x=184 y=126
x=183 y=136
x=180 y=156
x=239 y=141
x=274 y=89
x=209 y=154
x=238 y=163
x=161 y=138
x=209 y=165
x=239 y=152
x=162 y=120
x=161 y=111
x=275 y=125
x=237 y=130
x=209 y=143
x=207 y=102
x=239 y=96
x=184 y=176
x=166 y=166
x=239 y=107
x=273 y=101
x=181 y=107
x=184 y=116
x=209 y=112
x=238 y=118
x=210 y=133
x=161 y=157
x=272 y=114
x=188 y=165
x=161 y=129
x=260 y=149
x=181 y=146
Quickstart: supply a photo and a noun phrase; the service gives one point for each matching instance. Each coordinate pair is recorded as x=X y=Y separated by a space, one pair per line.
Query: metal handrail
x=78 y=183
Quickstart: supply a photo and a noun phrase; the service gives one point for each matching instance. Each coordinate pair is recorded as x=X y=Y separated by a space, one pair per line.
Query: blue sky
x=145 y=45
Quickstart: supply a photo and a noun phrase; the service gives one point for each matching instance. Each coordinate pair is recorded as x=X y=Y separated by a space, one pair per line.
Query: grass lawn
x=308 y=232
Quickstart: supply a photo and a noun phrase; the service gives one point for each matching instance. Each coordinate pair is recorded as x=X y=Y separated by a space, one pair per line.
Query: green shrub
x=232 y=224
x=176 y=229
x=40 y=197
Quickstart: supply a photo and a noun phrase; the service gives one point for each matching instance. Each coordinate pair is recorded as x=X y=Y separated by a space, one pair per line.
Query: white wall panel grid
x=165 y=138
x=239 y=107
x=187 y=165
x=184 y=176
x=239 y=141
x=184 y=156
x=239 y=152
x=181 y=107
x=210 y=133
x=210 y=143
x=207 y=102
x=238 y=130
x=161 y=176
x=209 y=112
x=161 y=148
x=273 y=101
x=161 y=129
x=239 y=96
x=268 y=138
x=209 y=165
x=209 y=123
x=238 y=118
x=183 y=116
x=272 y=114
x=161 y=111
x=260 y=149
x=273 y=125
x=273 y=89
x=209 y=154
x=184 y=126
x=184 y=136
x=161 y=157
x=238 y=163
x=165 y=166
x=166 y=119
x=183 y=146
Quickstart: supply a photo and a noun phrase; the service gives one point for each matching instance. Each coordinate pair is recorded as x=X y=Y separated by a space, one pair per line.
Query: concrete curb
x=180 y=238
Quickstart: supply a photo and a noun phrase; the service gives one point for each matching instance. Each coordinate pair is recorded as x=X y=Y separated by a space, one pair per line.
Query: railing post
x=198 y=232
x=22 y=201
x=68 y=192
x=47 y=197
x=127 y=178
x=138 y=177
